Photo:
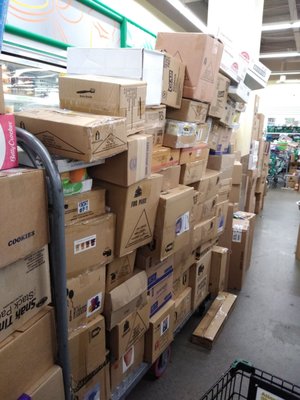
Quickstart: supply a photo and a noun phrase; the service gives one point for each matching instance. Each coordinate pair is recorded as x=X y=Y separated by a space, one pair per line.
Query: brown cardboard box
x=23 y=213
x=34 y=342
x=250 y=191
x=203 y=131
x=192 y=172
x=155 y=120
x=130 y=330
x=119 y=270
x=160 y=333
x=105 y=96
x=202 y=56
x=237 y=173
x=204 y=231
x=85 y=297
x=208 y=186
x=170 y=177
x=97 y=387
x=129 y=167
x=219 y=138
x=235 y=194
x=49 y=387
x=86 y=350
x=172 y=226
x=224 y=162
x=199 y=279
x=190 y=111
x=183 y=306
x=129 y=362
x=228 y=114
x=84 y=206
x=74 y=135
x=208 y=208
x=197 y=209
x=179 y=134
x=251 y=218
x=125 y=299
x=25 y=289
x=160 y=158
x=217 y=275
x=183 y=259
x=180 y=284
x=89 y=243
x=221 y=214
x=135 y=208
x=173 y=78
x=199 y=152
x=260 y=184
x=220 y=96
x=225 y=185
x=259 y=201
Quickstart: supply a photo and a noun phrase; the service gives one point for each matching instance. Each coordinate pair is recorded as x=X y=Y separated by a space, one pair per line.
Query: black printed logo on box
x=19 y=239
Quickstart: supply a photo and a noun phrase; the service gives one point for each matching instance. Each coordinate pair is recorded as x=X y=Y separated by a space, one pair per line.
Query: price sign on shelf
x=3 y=14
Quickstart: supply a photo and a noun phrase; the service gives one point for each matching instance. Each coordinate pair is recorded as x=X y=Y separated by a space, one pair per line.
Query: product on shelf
x=8 y=142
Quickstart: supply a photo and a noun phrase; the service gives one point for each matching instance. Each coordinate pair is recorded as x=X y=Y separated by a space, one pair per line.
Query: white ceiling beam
x=294 y=17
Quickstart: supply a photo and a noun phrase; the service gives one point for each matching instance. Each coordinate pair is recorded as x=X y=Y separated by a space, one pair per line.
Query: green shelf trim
x=141 y=28
x=123 y=38
x=103 y=9
x=35 y=50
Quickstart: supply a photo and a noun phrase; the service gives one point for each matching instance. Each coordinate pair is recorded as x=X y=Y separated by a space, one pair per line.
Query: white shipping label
x=182 y=223
x=265 y=395
x=237 y=233
x=94 y=304
x=164 y=326
x=93 y=393
x=84 y=244
x=83 y=207
x=128 y=359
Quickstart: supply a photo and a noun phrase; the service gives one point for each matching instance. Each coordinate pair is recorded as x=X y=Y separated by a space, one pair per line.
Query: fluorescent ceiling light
x=286 y=73
x=187 y=13
x=280 y=55
x=281 y=26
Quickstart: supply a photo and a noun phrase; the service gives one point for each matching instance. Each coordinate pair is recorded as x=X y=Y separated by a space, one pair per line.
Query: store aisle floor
x=264 y=327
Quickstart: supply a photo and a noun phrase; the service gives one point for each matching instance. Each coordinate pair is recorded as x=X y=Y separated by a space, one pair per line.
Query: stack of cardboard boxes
x=26 y=320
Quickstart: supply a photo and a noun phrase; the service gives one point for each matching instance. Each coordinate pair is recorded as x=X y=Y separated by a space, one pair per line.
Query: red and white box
x=8 y=142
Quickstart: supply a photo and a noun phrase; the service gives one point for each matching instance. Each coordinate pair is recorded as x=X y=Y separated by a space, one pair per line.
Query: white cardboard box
x=257 y=75
x=240 y=93
x=141 y=64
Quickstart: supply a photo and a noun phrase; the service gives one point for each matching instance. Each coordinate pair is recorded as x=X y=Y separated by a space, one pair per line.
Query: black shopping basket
x=243 y=381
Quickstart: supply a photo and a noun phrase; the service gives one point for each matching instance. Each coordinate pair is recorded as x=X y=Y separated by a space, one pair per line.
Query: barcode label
x=237 y=234
x=83 y=207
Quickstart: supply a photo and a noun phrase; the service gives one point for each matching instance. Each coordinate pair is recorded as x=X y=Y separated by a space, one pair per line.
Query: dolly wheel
x=160 y=365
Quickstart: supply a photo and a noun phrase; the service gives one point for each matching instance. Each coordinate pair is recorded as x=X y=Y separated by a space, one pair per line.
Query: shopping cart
x=243 y=381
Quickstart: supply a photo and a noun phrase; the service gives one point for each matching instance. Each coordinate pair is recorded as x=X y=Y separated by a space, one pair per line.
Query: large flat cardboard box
x=97 y=387
x=50 y=386
x=220 y=96
x=160 y=333
x=155 y=120
x=140 y=64
x=89 y=243
x=202 y=56
x=125 y=299
x=192 y=172
x=204 y=231
x=183 y=307
x=171 y=177
x=180 y=284
x=74 y=135
x=129 y=167
x=199 y=279
x=208 y=186
x=23 y=213
x=85 y=296
x=173 y=79
x=119 y=270
x=25 y=290
x=190 y=111
x=129 y=331
x=218 y=264
x=172 y=226
x=210 y=326
x=127 y=364
x=86 y=350
x=221 y=214
x=35 y=341
x=105 y=96
x=135 y=208
x=179 y=134
x=84 y=206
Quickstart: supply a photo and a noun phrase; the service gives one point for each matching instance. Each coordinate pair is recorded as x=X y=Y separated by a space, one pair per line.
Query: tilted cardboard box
x=173 y=79
x=119 y=270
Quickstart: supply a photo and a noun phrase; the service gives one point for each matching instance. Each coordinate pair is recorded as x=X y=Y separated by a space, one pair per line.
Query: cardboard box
x=126 y=365
x=228 y=114
x=129 y=167
x=135 y=207
x=217 y=275
x=125 y=299
x=8 y=139
x=203 y=132
x=237 y=173
x=34 y=342
x=260 y=184
x=199 y=152
x=25 y=290
x=233 y=64
x=235 y=194
x=105 y=96
x=204 y=231
x=208 y=186
x=173 y=78
x=251 y=218
x=220 y=96
x=250 y=191
x=202 y=56
x=140 y=64
x=86 y=350
x=85 y=297
x=199 y=279
x=172 y=226
x=180 y=284
x=179 y=134
x=190 y=111
x=129 y=331
x=160 y=158
x=84 y=206
x=119 y=270
x=197 y=208
x=183 y=259
x=240 y=93
x=221 y=214
x=97 y=387
x=224 y=162
x=160 y=333
x=23 y=213
x=208 y=209
x=192 y=172
x=50 y=386
x=183 y=307
x=219 y=139
x=155 y=120
x=74 y=135
x=89 y=243
x=170 y=177
x=259 y=202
